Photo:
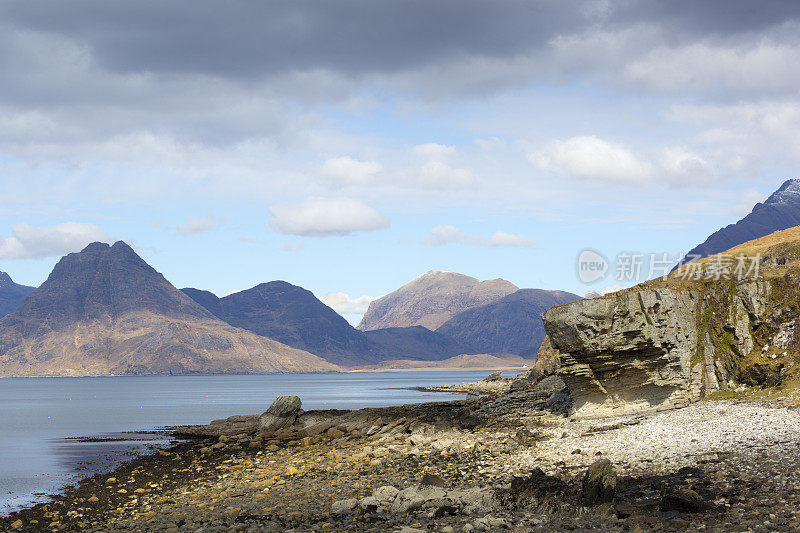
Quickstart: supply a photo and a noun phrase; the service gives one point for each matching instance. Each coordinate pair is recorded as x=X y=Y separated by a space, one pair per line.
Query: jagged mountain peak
x=5 y=279
x=786 y=193
x=104 y=282
x=105 y=310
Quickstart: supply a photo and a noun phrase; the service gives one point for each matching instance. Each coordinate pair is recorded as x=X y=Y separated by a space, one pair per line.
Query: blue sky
x=376 y=141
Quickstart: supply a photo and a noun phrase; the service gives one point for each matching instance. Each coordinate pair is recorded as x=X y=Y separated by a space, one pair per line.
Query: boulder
x=416 y=497
x=386 y=493
x=282 y=413
x=599 y=482
x=684 y=501
x=284 y=406
x=344 y=506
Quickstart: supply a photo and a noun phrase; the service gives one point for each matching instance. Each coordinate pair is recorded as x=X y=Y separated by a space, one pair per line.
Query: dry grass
x=763 y=243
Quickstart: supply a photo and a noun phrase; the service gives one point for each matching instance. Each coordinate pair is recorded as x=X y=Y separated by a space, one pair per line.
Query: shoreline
x=439 y=369
x=452 y=465
x=73 y=449
x=91 y=455
x=344 y=371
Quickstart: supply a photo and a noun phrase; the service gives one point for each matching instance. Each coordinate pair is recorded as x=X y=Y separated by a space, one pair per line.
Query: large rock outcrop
x=654 y=347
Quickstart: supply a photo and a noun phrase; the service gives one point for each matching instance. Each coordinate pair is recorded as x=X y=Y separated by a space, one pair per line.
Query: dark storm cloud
x=703 y=18
x=244 y=39
x=221 y=71
x=258 y=38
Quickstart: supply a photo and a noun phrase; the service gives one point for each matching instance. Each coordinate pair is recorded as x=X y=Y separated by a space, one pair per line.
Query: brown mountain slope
x=432 y=299
x=106 y=311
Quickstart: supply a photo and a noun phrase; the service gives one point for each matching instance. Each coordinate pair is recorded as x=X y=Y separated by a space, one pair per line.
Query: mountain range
x=11 y=294
x=291 y=315
x=294 y=316
x=780 y=211
x=106 y=311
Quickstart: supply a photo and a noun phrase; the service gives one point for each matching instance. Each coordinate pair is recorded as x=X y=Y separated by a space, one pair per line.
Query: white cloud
x=293 y=246
x=745 y=136
x=34 y=243
x=437 y=172
x=681 y=165
x=326 y=217
x=747 y=201
x=200 y=225
x=592 y=158
x=446 y=234
x=344 y=304
x=507 y=240
x=440 y=175
x=752 y=67
x=434 y=151
x=350 y=171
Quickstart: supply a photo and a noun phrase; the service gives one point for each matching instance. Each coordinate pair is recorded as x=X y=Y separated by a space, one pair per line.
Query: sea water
x=43 y=421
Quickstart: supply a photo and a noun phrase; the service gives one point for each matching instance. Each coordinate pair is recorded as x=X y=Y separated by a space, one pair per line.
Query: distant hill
x=511 y=325
x=459 y=362
x=415 y=342
x=780 y=211
x=11 y=294
x=293 y=316
x=106 y=311
x=432 y=299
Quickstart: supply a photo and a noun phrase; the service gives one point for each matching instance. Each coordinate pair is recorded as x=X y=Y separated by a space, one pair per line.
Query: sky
x=350 y=146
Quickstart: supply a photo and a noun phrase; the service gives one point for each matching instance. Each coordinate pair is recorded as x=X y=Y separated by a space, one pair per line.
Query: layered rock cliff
x=667 y=343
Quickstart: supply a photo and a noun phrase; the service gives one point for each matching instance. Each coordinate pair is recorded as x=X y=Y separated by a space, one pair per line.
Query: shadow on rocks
x=536 y=490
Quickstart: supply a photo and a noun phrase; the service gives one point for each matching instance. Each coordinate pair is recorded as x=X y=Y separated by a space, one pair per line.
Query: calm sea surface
x=43 y=419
